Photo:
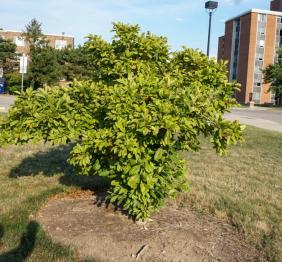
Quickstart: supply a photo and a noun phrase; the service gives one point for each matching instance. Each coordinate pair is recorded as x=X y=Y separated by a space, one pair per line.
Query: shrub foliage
x=144 y=106
x=273 y=76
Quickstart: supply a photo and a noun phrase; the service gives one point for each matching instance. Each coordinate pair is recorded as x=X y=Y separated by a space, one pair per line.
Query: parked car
x=3 y=85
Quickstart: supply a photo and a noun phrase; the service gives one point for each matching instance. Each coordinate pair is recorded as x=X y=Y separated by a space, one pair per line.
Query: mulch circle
x=173 y=235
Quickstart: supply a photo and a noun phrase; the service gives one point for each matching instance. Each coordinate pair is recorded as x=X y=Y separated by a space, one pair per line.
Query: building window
x=261 y=32
x=235 y=49
x=258 y=69
x=259 y=56
x=257 y=77
x=60 y=44
x=260 y=51
x=257 y=89
x=261 y=17
x=19 y=41
x=260 y=36
x=256 y=96
x=261 y=43
x=259 y=64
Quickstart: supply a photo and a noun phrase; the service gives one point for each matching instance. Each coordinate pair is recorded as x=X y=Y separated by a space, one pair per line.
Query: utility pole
x=210 y=7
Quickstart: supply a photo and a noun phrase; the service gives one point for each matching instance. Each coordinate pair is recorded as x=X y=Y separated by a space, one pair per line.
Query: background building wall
x=12 y=35
x=251 y=50
x=276 y=5
x=220 y=50
x=243 y=57
x=269 y=55
x=250 y=34
x=228 y=41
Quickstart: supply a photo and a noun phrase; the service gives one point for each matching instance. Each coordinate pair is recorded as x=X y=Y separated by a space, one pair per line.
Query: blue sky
x=184 y=22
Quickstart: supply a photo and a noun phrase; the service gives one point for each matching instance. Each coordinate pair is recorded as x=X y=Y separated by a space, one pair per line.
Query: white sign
x=1 y=72
x=23 y=64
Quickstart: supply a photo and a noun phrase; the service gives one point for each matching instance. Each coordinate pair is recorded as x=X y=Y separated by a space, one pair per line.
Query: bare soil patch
x=174 y=235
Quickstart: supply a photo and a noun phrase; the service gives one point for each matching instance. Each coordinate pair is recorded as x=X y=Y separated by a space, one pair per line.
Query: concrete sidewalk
x=271 y=120
x=5 y=102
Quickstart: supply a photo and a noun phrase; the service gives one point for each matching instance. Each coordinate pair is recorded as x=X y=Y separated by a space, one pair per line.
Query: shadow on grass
x=54 y=162
x=47 y=163
x=1 y=232
x=26 y=246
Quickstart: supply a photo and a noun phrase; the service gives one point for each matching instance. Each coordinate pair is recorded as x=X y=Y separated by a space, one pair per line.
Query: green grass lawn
x=268 y=107
x=276 y=108
x=20 y=198
x=244 y=187
x=2 y=115
x=271 y=107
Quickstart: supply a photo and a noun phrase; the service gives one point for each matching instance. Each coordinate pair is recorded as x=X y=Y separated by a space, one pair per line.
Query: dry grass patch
x=29 y=175
x=244 y=187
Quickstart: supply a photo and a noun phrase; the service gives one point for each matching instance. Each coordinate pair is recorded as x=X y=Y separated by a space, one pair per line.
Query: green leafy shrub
x=143 y=107
x=14 y=82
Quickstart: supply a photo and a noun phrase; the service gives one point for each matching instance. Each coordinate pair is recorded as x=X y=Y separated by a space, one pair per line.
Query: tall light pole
x=211 y=7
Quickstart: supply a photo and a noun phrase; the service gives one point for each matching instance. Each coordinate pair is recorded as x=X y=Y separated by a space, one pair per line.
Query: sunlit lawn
x=244 y=187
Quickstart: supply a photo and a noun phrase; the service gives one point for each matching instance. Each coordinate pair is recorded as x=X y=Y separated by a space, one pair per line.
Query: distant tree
x=8 y=56
x=44 y=68
x=9 y=62
x=273 y=75
x=14 y=80
x=76 y=63
x=33 y=35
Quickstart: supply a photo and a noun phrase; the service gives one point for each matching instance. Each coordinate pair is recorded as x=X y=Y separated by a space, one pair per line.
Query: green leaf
x=143 y=188
x=135 y=170
x=104 y=173
x=97 y=165
x=133 y=181
x=158 y=154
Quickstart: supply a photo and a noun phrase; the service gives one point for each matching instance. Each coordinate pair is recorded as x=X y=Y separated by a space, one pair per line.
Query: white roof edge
x=260 y=11
x=15 y=31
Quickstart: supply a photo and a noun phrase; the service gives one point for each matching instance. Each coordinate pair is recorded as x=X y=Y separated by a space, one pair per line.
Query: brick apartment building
x=55 y=41
x=250 y=43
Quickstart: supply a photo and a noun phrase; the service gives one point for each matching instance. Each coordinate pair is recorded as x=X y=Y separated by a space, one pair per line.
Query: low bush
x=144 y=106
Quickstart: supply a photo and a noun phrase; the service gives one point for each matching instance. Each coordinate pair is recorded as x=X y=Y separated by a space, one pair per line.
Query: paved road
x=5 y=102
x=258 y=117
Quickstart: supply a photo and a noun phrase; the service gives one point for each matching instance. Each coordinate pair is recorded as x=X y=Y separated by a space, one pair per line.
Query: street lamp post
x=211 y=7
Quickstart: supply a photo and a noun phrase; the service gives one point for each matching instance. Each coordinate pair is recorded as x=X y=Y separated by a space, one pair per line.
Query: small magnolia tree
x=129 y=124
